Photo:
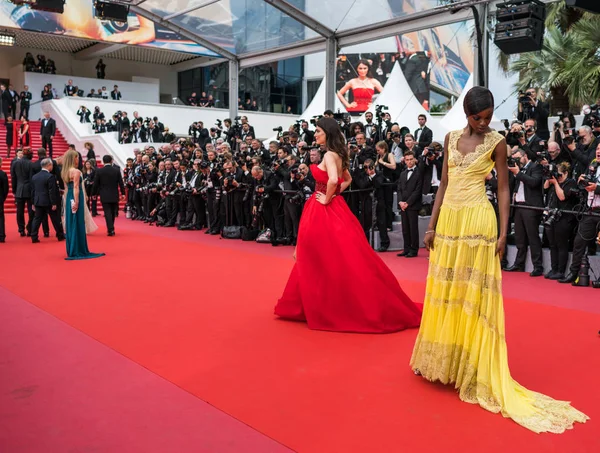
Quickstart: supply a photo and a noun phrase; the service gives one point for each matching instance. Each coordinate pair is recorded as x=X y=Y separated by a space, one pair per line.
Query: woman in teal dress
x=77 y=248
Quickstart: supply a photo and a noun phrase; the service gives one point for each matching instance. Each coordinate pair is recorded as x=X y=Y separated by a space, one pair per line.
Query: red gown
x=338 y=282
x=363 y=97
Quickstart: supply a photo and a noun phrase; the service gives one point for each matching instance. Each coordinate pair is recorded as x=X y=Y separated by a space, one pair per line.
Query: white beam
x=302 y=17
x=97 y=50
x=300 y=49
x=234 y=73
x=190 y=9
x=199 y=62
x=331 y=53
x=182 y=31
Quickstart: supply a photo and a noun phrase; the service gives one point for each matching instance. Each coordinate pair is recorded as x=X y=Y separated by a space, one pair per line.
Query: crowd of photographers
x=554 y=182
x=222 y=178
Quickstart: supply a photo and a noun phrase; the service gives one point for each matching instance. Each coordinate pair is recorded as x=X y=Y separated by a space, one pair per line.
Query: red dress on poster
x=338 y=282
x=363 y=97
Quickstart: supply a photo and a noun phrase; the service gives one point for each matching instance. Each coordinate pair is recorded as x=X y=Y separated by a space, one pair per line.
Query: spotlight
x=7 y=38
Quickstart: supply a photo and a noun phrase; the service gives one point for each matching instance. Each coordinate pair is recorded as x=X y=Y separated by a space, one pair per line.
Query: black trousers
x=21 y=203
x=410 y=230
x=238 y=206
x=110 y=210
x=196 y=212
x=585 y=236
x=527 y=233
x=91 y=201
x=388 y=199
x=24 y=111
x=42 y=213
x=2 y=224
x=212 y=208
x=173 y=208
x=291 y=218
x=6 y=111
x=559 y=235
x=382 y=222
x=47 y=145
x=366 y=211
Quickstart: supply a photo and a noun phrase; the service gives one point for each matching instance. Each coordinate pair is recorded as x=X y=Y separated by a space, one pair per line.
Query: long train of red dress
x=338 y=282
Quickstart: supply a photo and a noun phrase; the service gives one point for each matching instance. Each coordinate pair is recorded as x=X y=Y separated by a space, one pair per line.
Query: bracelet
x=429 y=231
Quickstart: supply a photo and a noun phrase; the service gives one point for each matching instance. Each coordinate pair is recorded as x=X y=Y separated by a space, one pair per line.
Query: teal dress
x=77 y=248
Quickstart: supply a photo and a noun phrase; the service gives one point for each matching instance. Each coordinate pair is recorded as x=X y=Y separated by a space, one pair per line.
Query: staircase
x=60 y=147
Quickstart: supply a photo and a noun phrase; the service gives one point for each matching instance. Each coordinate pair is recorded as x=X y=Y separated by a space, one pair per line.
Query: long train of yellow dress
x=461 y=339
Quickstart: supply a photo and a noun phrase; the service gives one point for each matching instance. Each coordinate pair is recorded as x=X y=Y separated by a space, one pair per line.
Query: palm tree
x=569 y=63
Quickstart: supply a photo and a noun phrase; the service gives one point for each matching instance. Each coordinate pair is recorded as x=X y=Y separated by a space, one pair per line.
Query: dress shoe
x=515 y=269
x=213 y=232
x=570 y=278
x=22 y=233
x=537 y=272
x=111 y=233
x=402 y=253
x=46 y=235
x=557 y=276
x=410 y=255
x=35 y=241
x=550 y=274
x=2 y=241
x=61 y=238
x=207 y=231
x=382 y=249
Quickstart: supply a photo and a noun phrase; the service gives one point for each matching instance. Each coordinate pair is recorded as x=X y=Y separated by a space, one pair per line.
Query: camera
x=278 y=129
x=550 y=172
x=524 y=99
x=219 y=123
x=314 y=119
x=550 y=217
x=512 y=162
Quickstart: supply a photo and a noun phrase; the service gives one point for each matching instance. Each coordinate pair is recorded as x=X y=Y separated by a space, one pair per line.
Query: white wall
x=118 y=70
x=178 y=118
x=132 y=92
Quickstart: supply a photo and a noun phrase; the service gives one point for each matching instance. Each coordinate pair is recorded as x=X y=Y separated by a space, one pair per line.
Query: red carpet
x=209 y=329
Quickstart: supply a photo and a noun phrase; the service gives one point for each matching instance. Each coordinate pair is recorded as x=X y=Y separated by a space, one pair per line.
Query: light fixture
x=7 y=38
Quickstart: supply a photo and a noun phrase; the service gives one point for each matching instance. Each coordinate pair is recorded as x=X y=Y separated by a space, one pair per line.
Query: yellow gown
x=461 y=339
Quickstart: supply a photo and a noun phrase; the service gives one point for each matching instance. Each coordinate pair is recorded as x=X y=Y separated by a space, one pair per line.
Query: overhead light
x=7 y=38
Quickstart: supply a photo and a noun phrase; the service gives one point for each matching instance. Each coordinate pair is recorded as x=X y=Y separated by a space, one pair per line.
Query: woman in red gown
x=363 y=88
x=338 y=282
x=24 y=134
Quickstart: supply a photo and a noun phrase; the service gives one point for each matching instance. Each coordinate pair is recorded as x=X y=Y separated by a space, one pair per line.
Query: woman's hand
x=322 y=198
x=500 y=246
x=75 y=207
x=429 y=239
x=353 y=105
x=294 y=255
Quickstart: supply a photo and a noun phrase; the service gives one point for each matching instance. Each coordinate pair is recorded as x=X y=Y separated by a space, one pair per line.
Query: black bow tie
x=410 y=170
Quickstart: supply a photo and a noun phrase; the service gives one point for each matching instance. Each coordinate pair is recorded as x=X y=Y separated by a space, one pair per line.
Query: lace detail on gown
x=461 y=339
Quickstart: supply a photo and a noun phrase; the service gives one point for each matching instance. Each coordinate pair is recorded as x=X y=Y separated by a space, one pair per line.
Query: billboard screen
x=78 y=21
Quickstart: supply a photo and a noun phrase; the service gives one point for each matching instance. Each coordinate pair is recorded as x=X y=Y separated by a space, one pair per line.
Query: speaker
x=589 y=5
x=52 y=6
x=520 y=26
x=111 y=11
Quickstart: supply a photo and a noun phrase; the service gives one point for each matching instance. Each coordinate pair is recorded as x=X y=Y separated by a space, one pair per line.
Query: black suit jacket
x=107 y=182
x=21 y=178
x=426 y=172
x=425 y=138
x=3 y=189
x=44 y=190
x=410 y=190
x=48 y=130
x=533 y=181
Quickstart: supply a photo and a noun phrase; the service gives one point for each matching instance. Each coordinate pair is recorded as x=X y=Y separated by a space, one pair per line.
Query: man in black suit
x=36 y=167
x=25 y=97
x=529 y=191
x=6 y=99
x=107 y=183
x=47 y=132
x=3 y=195
x=21 y=187
x=376 y=180
x=45 y=197
x=423 y=135
x=410 y=188
x=537 y=110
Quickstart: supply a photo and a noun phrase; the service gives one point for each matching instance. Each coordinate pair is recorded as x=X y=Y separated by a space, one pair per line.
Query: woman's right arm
x=75 y=177
x=439 y=198
x=340 y=94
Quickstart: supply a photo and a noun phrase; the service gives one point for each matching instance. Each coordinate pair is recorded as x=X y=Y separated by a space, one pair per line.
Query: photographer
x=265 y=202
x=386 y=166
x=306 y=135
x=423 y=135
x=173 y=183
x=584 y=151
x=84 y=114
x=195 y=216
x=562 y=195
x=530 y=107
x=374 y=179
x=370 y=129
x=528 y=192
x=25 y=98
x=232 y=197
x=588 y=226
x=430 y=168
x=293 y=199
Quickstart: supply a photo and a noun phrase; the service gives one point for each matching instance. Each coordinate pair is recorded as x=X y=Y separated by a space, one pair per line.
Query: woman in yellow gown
x=461 y=339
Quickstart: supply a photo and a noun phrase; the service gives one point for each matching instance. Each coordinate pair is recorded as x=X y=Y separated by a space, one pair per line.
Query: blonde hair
x=69 y=162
